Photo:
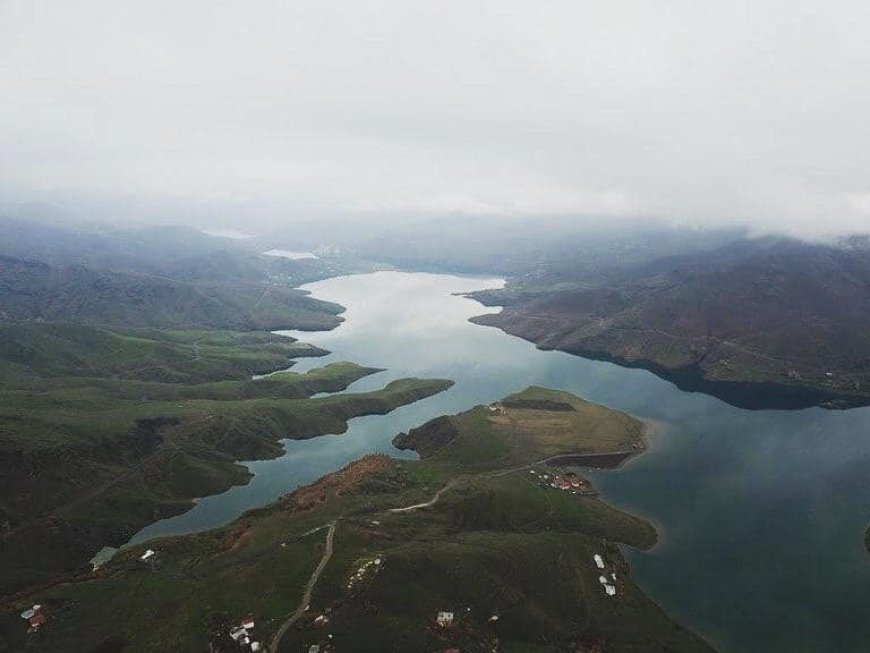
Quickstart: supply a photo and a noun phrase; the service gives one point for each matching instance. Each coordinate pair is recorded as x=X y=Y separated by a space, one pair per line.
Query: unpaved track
x=306 y=596
x=504 y=472
x=430 y=502
x=327 y=554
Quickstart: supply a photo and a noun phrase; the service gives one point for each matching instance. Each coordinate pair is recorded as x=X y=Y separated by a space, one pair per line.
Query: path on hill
x=433 y=500
x=569 y=457
x=306 y=596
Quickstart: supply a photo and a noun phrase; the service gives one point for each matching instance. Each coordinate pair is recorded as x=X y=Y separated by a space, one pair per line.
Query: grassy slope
x=35 y=350
x=514 y=435
x=33 y=291
x=87 y=460
x=492 y=544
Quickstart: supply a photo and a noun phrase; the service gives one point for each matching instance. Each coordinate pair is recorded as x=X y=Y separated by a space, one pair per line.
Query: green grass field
x=43 y=350
x=513 y=433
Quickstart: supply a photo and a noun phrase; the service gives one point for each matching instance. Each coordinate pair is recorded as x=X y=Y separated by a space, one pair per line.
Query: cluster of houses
x=242 y=635
x=609 y=584
x=445 y=619
x=365 y=570
x=36 y=617
x=565 y=483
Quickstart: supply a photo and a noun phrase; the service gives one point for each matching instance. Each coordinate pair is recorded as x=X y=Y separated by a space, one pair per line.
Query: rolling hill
x=36 y=291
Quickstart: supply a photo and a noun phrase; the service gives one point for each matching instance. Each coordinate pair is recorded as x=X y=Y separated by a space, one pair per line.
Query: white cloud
x=717 y=112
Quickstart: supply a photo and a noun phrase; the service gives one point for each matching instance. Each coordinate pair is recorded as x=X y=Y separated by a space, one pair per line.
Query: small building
x=610 y=590
x=145 y=557
x=241 y=634
x=314 y=648
x=37 y=620
x=599 y=561
x=35 y=616
x=444 y=619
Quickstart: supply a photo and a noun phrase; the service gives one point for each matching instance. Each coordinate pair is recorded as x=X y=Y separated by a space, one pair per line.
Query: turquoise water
x=761 y=514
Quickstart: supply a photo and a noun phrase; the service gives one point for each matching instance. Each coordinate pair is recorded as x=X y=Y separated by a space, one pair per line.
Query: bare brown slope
x=770 y=324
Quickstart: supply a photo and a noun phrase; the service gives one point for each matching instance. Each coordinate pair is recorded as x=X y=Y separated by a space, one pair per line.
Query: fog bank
x=232 y=114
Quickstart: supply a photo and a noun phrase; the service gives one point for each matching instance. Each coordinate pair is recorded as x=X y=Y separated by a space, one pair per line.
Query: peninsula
x=492 y=541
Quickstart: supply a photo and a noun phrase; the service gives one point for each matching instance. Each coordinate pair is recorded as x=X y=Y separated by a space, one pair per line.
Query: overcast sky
x=702 y=112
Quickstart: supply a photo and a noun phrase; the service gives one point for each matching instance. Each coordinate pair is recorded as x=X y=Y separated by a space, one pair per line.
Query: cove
x=761 y=514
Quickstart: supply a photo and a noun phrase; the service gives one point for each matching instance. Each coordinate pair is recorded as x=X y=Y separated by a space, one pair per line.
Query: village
x=445 y=621
x=564 y=481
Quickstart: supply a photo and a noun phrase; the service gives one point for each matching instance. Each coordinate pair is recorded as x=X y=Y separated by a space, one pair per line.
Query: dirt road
x=306 y=596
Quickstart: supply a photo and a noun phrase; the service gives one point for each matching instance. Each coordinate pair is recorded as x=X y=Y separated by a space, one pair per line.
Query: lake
x=761 y=514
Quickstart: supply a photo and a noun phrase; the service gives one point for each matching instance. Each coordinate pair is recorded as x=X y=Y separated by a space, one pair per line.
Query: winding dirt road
x=306 y=596
x=330 y=536
x=431 y=501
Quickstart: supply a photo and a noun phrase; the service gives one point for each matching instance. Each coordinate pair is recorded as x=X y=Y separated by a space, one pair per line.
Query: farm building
x=444 y=619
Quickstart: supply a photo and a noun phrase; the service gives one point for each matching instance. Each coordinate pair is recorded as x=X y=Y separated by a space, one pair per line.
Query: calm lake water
x=761 y=514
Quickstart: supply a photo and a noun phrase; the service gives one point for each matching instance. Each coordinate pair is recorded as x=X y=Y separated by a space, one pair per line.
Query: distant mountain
x=760 y=323
x=37 y=291
x=140 y=250
x=179 y=253
x=499 y=244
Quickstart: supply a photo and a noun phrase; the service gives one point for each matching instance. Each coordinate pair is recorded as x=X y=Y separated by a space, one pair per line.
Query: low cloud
x=750 y=113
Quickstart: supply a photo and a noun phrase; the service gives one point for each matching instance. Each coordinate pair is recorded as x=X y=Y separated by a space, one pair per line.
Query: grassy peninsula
x=481 y=528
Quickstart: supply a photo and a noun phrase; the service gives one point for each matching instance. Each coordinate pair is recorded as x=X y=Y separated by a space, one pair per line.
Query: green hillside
x=380 y=547
x=103 y=432
x=33 y=291
x=34 y=350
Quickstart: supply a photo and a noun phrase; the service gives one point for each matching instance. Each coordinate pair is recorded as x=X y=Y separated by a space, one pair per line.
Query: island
x=493 y=540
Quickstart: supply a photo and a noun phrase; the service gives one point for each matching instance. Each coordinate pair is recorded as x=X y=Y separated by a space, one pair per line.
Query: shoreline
x=746 y=395
x=653 y=431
